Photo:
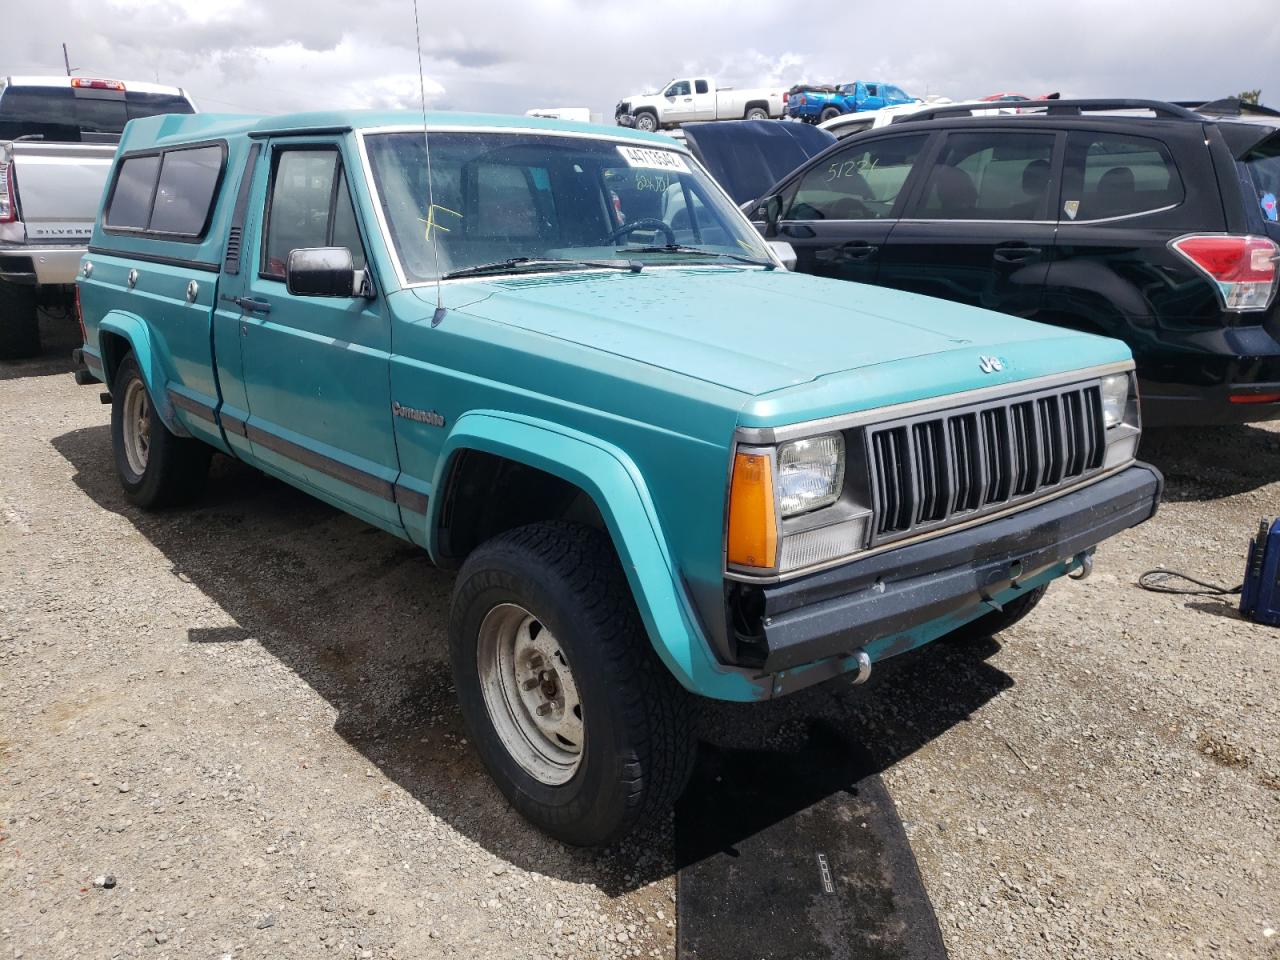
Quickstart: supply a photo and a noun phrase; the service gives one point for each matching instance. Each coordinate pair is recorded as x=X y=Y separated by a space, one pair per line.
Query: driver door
x=679 y=102
x=838 y=215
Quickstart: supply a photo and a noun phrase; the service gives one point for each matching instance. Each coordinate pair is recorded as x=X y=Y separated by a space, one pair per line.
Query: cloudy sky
x=497 y=55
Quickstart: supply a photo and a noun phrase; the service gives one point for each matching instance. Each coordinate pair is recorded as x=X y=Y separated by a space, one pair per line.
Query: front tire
x=156 y=468
x=580 y=725
x=646 y=121
x=19 y=322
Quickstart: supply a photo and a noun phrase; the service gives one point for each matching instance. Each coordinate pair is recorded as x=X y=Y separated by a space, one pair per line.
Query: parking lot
x=242 y=713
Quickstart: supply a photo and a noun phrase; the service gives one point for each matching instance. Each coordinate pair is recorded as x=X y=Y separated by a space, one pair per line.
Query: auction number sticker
x=654 y=159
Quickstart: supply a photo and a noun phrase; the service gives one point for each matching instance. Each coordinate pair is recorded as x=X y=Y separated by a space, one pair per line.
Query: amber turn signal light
x=753 y=526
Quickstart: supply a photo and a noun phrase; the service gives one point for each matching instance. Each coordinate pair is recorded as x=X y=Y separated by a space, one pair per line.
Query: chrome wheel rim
x=136 y=423
x=530 y=694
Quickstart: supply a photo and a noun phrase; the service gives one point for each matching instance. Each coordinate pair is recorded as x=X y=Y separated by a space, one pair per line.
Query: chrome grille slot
x=932 y=470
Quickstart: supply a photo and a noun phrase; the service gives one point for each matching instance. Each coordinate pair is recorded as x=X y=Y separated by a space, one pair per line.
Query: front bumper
x=45 y=265
x=893 y=594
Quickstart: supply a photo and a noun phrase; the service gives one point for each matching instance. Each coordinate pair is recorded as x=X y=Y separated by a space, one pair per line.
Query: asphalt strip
x=797 y=855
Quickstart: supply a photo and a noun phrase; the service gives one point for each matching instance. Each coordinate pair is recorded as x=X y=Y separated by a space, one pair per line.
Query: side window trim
x=146 y=232
x=278 y=150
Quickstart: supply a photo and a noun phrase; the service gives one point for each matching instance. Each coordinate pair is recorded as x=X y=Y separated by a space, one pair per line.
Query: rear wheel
x=829 y=113
x=19 y=322
x=757 y=113
x=578 y=722
x=989 y=624
x=156 y=467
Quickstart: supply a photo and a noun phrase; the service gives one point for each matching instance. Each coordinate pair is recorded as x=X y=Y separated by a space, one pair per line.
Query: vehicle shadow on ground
x=1210 y=463
x=361 y=617
x=59 y=335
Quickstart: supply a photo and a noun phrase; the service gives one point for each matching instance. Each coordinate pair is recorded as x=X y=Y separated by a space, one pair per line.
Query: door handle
x=854 y=251
x=1016 y=253
x=248 y=304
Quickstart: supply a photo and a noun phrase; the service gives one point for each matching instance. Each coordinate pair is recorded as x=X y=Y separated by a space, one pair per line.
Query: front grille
x=932 y=470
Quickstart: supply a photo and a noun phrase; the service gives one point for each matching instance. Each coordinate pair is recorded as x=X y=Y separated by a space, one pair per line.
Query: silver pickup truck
x=57 y=138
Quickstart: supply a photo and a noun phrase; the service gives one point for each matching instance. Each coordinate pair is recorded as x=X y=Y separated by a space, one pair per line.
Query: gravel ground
x=230 y=731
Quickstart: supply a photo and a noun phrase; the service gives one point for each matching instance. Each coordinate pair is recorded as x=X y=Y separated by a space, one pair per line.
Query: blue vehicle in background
x=813 y=104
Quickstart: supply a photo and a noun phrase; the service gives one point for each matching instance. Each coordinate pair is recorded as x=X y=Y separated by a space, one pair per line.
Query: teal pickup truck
x=564 y=364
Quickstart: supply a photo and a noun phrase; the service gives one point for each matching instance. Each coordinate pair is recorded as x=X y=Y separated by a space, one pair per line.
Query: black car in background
x=1141 y=220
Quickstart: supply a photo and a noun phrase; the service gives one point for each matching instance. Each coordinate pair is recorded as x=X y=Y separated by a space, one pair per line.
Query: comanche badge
x=429 y=417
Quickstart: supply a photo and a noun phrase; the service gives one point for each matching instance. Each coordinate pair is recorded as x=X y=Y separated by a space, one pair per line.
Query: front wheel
x=580 y=725
x=156 y=467
x=647 y=122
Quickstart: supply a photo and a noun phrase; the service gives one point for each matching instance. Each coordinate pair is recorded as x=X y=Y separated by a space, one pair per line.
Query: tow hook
x=1085 y=569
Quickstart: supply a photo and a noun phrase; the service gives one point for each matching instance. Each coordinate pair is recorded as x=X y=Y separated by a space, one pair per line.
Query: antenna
x=426 y=143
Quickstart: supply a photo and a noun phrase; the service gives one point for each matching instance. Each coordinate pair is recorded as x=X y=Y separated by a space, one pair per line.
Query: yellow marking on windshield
x=431 y=219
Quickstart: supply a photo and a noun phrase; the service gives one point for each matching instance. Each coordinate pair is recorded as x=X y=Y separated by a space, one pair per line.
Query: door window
x=680 y=89
x=310 y=207
x=1117 y=176
x=859 y=183
x=701 y=86
x=990 y=176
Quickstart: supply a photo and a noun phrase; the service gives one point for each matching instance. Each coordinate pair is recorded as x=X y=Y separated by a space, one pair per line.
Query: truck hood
x=757 y=331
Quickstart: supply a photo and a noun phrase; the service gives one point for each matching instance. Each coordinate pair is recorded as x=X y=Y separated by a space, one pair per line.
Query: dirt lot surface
x=241 y=712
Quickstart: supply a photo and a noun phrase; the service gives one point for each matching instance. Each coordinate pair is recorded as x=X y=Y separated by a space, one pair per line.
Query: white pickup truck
x=687 y=99
x=58 y=136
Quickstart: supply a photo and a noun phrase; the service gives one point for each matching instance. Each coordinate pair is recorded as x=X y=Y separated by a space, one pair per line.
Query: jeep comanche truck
x=57 y=138
x=662 y=465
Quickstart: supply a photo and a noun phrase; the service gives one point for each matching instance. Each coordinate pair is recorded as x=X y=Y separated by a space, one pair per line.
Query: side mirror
x=324 y=272
x=772 y=214
x=784 y=252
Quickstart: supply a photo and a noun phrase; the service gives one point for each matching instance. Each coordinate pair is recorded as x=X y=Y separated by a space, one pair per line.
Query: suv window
x=1262 y=162
x=989 y=176
x=67 y=115
x=310 y=207
x=1115 y=175
x=861 y=182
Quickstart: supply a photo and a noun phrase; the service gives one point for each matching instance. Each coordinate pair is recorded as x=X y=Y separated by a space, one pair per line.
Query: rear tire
x=828 y=113
x=757 y=113
x=156 y=468
x=543 y=621
x=19 y=322
x=989 y=624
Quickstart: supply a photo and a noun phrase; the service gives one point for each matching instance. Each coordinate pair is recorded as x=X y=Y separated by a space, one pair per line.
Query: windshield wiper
x=699 y=251
x=512 y=263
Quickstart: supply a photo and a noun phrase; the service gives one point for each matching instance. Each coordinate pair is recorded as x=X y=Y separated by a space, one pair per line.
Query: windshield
x=503 y=197
x=73 y=115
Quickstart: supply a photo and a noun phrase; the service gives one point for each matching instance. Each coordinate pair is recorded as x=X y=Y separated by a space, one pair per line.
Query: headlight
x=810 y=474
x=1115 y=399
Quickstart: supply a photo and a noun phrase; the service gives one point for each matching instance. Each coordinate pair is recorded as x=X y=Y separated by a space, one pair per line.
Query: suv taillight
x=1242 y=268
x=8 y=206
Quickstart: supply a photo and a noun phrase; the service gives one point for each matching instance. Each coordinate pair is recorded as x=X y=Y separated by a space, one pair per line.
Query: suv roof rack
x=1161 y=108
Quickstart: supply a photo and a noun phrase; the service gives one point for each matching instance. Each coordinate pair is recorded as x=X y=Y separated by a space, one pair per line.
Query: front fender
x=134 y=330
x=615 y=484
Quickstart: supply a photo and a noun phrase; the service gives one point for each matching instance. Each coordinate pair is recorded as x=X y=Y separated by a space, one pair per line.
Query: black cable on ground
x=1157 y=582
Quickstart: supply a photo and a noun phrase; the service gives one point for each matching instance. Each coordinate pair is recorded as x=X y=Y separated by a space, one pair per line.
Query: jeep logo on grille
x=990 y=364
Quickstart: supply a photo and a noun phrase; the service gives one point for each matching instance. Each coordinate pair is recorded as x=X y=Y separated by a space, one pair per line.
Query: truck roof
x=136 y=86
x=183 y=128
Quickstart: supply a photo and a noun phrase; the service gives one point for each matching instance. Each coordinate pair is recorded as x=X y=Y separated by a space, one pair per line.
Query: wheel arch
x=617 y=491
x=121 y=333
x=752 y=104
